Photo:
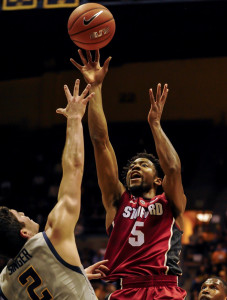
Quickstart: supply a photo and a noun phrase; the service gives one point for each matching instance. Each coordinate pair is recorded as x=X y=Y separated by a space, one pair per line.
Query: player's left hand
x=98 y=270
x=157 y=104
x=91 y=70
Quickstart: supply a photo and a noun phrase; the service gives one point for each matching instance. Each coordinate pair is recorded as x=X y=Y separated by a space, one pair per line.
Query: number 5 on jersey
x=138 y=238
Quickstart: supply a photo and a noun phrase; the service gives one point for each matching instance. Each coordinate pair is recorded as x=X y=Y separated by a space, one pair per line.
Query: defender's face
x=29 y=224
x=141 y=172
x=212 y=289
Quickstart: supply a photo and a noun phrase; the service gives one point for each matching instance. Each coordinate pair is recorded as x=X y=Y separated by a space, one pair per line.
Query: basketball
x=91 y=26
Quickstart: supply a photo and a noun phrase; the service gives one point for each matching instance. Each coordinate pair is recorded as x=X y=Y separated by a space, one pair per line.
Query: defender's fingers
x=101 y=262
x=103 y=268
x=76 y=88
x=84 y=61
x=88 y=98
x=100 y=272
x=60 y=111
x=85 y=91
x=96 y=276
x=67 y=92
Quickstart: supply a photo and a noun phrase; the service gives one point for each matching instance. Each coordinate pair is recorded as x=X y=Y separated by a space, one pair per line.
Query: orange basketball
x=91 y=26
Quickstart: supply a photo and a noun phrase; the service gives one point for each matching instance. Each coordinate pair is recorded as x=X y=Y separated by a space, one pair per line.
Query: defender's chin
x=37 y=227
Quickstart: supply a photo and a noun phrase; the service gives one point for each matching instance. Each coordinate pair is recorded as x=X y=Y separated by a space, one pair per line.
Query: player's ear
x=158 y=181
x=24 y=233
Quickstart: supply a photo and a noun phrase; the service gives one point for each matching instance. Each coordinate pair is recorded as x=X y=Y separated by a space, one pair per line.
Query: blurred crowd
x=205 y=256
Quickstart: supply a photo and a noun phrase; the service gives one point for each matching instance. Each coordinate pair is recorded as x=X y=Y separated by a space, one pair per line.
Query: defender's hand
x=76 y=103
x=98 y=270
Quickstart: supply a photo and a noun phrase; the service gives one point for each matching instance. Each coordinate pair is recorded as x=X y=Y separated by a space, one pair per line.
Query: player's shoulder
x=161 y=196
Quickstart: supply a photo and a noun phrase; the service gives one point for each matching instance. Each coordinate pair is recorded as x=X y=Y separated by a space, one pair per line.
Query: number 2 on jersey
x=36 y=282
x=138 y=238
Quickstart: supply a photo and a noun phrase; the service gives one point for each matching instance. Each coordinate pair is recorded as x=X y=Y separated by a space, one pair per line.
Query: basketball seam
x=91 y=27
x=83 y=14
x=96 y=42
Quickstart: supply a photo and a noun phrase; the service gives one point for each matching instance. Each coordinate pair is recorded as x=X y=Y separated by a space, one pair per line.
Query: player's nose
x=205 y=291
x=136 y=167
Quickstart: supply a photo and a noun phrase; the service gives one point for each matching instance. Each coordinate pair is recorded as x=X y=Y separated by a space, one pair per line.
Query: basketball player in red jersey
x=144 y=228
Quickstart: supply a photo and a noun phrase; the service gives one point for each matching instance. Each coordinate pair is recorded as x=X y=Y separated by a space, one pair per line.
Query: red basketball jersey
x=144 y=239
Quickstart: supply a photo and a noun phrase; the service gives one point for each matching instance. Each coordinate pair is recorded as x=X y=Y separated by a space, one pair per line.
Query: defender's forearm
x=73 y=154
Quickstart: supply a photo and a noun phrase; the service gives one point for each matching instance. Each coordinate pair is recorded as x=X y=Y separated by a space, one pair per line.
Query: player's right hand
x=91 y=70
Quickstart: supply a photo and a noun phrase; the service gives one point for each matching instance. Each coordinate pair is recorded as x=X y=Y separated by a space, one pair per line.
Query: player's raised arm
x=106 y=163
x=168 y=157
x=64 y=216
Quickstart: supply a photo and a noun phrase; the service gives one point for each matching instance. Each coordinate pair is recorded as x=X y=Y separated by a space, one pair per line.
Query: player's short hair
x=224 y=283
x=151 y=157
x=11 y=240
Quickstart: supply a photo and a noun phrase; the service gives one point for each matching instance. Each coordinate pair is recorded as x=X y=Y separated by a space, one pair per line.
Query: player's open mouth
x=135 y=175
x=205 y=297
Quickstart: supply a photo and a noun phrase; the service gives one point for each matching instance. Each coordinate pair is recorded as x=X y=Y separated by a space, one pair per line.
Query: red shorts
x=155 y=287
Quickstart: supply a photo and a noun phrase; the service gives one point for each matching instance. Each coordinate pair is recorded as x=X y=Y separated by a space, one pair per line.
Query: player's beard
x=139 y=190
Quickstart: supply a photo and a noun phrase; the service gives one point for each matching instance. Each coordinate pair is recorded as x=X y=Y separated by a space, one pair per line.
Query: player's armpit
x=173 y=188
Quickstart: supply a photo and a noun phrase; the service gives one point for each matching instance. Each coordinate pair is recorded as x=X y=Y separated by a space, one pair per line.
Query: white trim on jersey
x=121 y=283
x=109 y=296
x=169 y=246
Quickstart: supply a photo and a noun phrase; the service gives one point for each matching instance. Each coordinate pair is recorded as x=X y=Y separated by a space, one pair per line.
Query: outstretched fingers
x=76 y=88
x=97 y=56
x=152 y=100
x=85 y=91
x=83 y=59
x=159 y=92
x=164 y=93
x=89 y=56
x=78 y=66
x=67 y=93
x=88 y=98
x=106 y=64
x=61 y=111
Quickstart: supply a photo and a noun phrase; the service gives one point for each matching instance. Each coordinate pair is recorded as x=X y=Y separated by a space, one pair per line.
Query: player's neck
x=148 y=195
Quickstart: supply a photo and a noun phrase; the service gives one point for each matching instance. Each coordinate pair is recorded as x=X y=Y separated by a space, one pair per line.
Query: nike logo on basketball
x=87 y=22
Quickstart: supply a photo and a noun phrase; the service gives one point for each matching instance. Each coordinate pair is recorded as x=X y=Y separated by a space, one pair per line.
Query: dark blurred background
x=182 y=43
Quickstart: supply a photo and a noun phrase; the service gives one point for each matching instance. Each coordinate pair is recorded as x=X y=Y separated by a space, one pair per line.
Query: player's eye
x=203 y=287
x=214 y=287
x=144 y=165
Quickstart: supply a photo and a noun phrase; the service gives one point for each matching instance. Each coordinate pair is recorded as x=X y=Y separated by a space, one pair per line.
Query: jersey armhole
x=110 y=228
